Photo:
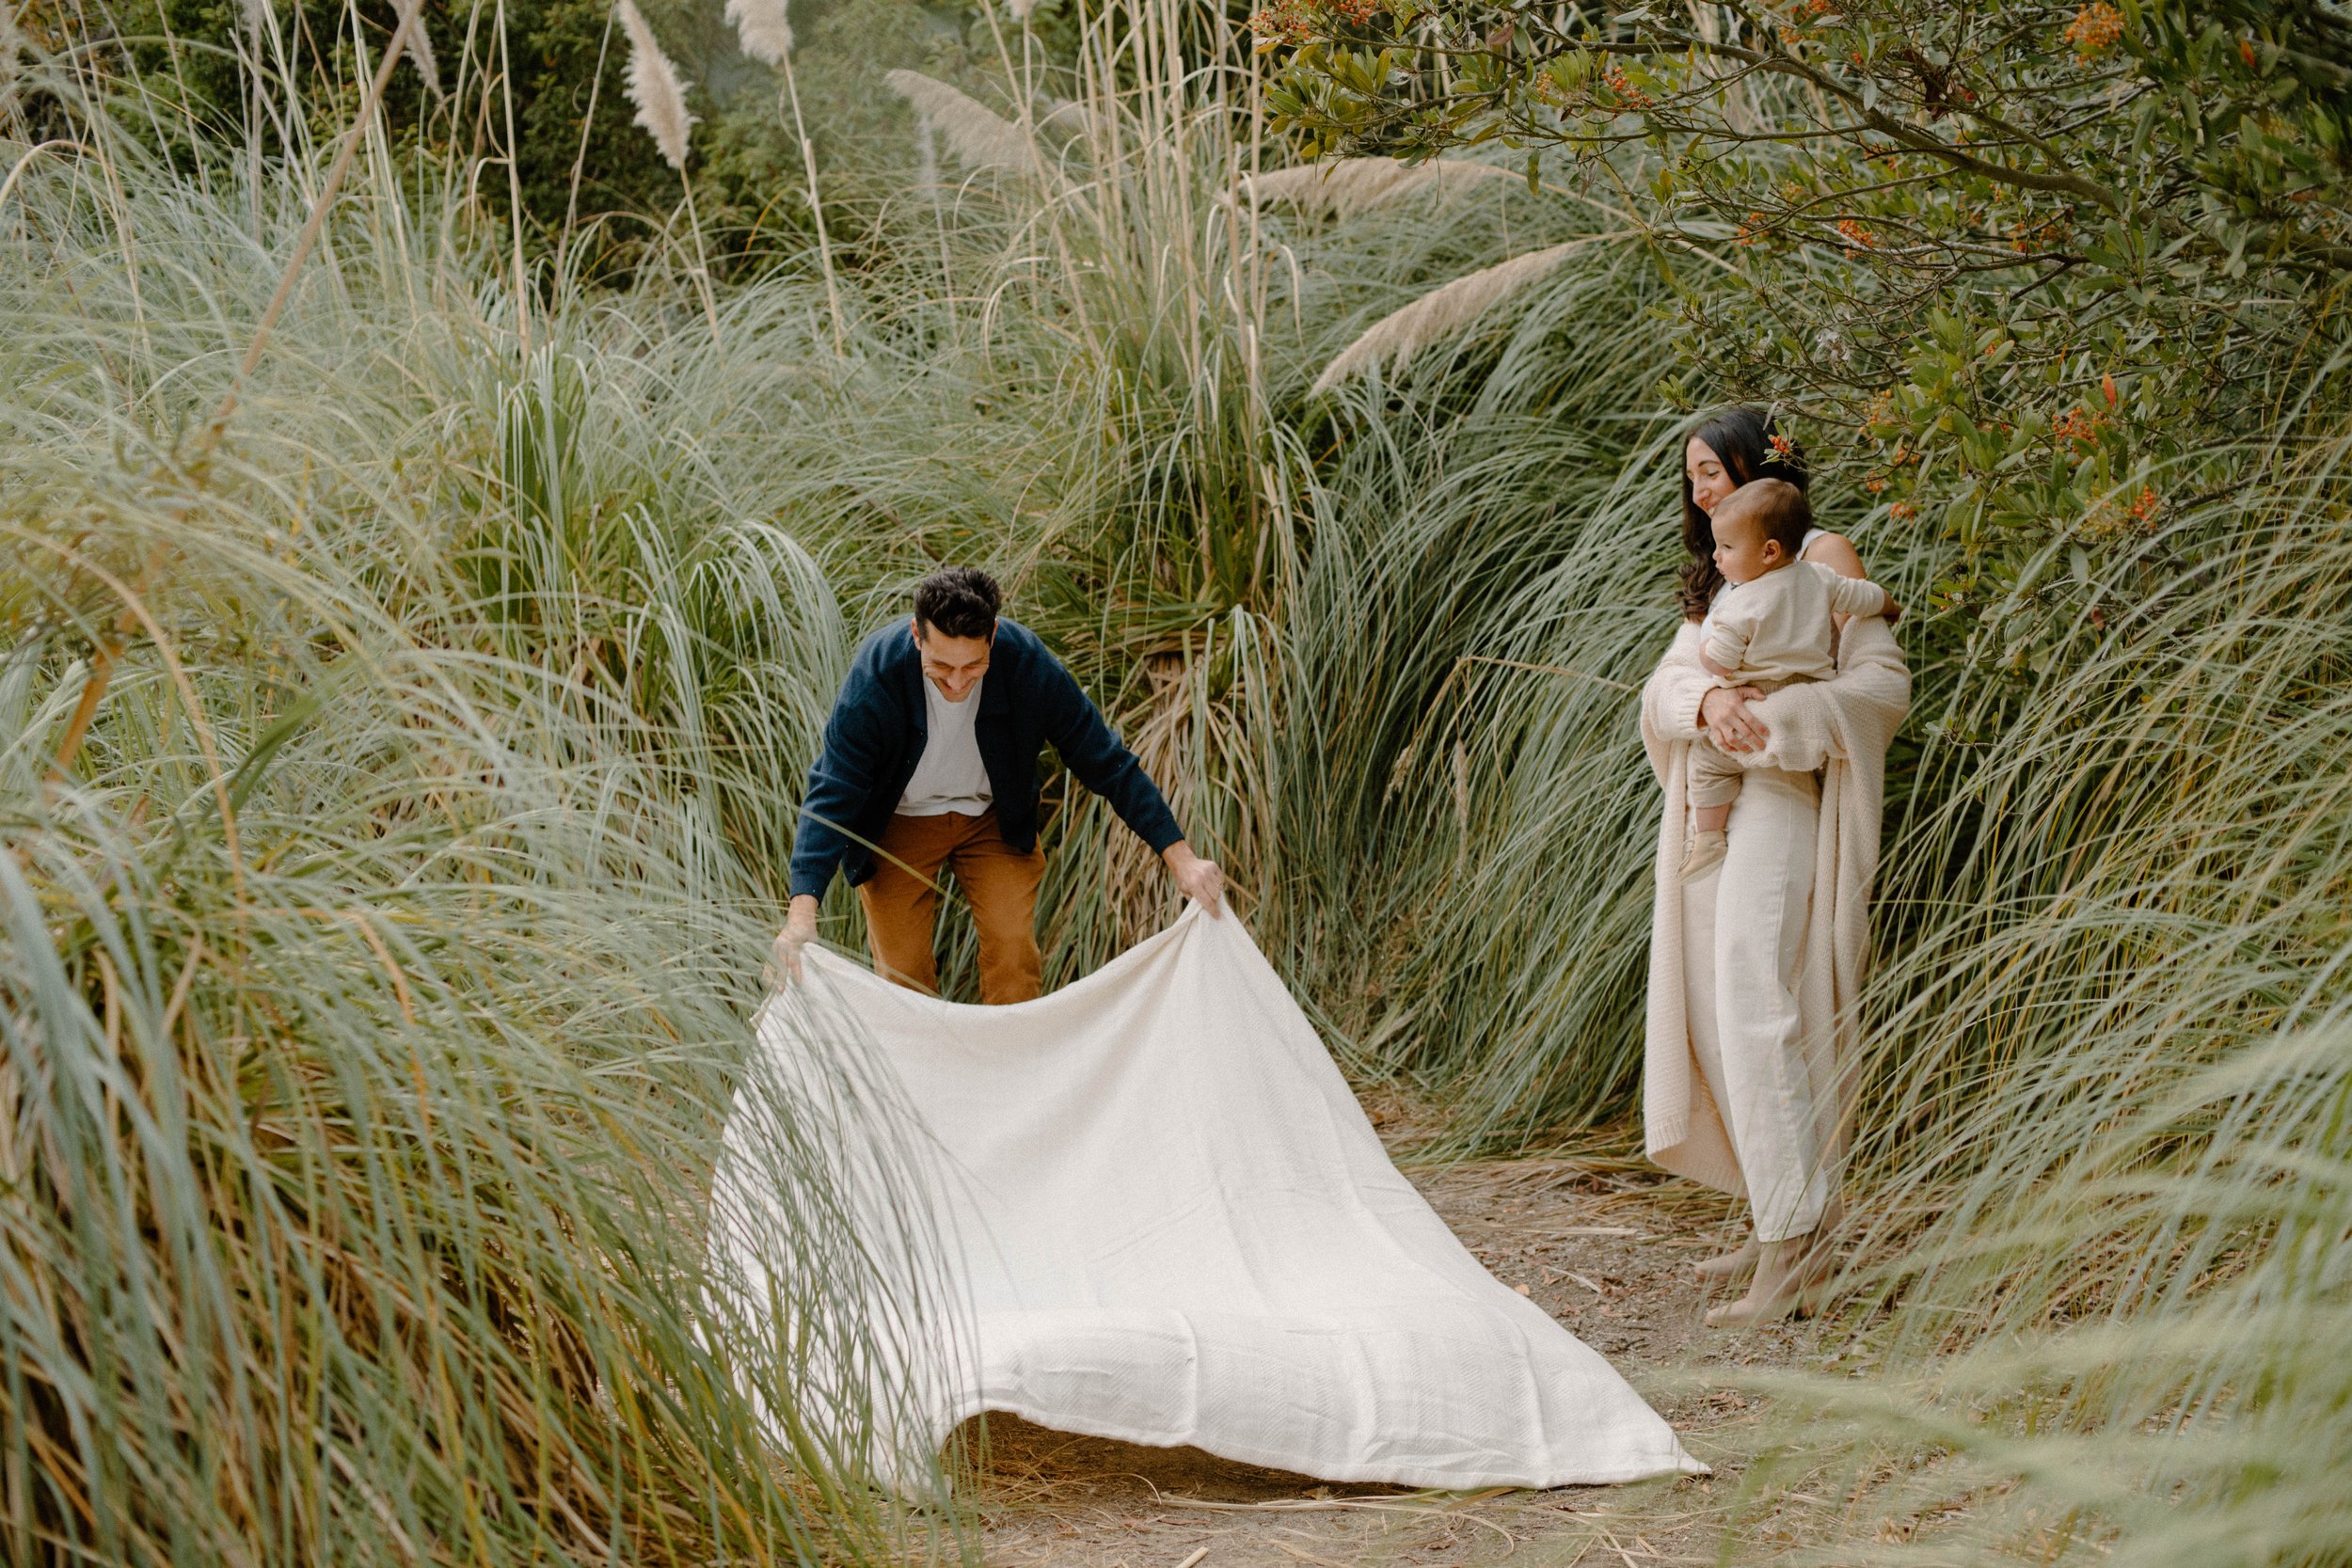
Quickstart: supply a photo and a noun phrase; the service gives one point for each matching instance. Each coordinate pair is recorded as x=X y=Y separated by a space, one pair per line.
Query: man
x=931 y=763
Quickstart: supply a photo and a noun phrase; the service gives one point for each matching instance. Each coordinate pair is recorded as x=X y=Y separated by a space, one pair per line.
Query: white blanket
x=1170 y=1223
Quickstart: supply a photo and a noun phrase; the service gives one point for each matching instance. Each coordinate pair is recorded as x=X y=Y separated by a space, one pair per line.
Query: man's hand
x=800 y=930
x=1202 y=882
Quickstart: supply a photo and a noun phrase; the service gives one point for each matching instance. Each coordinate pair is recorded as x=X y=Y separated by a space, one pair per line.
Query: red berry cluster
x=2094 y=29
x=2079 y=425
x=1294 y=22
x=1615 y=79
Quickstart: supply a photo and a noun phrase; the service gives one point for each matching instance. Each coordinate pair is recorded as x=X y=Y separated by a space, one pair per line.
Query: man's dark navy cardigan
x=876 y=735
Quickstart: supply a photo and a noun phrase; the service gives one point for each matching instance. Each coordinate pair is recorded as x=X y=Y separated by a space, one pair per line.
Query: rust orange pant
x=1000 y=883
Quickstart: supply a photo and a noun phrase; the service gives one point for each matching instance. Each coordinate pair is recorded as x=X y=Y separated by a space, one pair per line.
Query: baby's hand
x=1893 y=612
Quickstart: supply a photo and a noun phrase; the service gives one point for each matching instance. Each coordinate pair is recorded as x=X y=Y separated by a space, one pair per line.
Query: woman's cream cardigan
x=1840 y=727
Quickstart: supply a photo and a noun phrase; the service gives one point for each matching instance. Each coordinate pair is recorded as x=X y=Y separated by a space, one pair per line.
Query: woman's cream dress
x=1754 y=965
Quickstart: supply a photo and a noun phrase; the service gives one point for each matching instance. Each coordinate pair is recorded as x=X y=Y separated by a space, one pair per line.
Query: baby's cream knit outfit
x=1769 y=632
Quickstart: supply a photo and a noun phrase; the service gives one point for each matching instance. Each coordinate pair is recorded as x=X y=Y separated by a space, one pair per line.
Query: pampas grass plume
x=12 y=42
x=655 y=89
x=1348 y=186
x=1395 y=338
x=925 y=152
x=420 y=51
x=976 y=134
x=764 y=27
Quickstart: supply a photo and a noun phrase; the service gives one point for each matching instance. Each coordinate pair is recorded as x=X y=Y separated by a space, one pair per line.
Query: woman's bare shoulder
x=1836 y=553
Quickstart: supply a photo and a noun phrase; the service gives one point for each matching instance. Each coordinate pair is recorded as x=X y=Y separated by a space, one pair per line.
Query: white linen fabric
x=1839 y=728
x=1171 y=1224
x=950 y=775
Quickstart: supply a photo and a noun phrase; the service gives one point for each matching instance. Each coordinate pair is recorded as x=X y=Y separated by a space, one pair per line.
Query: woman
x=1754 y=965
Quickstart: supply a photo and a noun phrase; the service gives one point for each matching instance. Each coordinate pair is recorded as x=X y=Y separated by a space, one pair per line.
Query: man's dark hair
x=1779 y=508
x=958 y=601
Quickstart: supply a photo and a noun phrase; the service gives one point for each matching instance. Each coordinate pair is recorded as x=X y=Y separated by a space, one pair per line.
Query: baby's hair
x=1780 y=510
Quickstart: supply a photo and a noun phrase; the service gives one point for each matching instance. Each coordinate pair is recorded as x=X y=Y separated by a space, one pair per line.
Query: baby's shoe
x=1703 y=853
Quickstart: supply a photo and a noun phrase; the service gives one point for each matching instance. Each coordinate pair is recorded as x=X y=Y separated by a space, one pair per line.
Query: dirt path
x=1597 y=1240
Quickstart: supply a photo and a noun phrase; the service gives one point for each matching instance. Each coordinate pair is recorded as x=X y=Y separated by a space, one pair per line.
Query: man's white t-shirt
x=949 y=776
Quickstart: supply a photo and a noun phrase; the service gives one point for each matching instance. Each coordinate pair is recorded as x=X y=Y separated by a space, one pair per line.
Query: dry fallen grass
x=1604 y=1245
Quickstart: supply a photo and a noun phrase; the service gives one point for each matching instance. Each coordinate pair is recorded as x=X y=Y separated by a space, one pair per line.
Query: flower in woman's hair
x=1783 y=449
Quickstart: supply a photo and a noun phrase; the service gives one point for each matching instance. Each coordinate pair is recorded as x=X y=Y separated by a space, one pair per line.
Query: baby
x=1769 y=625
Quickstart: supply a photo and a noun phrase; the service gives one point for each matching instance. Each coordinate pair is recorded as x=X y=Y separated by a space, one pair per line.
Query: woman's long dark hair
x=1751 y=449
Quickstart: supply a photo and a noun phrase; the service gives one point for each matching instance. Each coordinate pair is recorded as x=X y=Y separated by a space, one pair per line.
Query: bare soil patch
x=1597 y=1240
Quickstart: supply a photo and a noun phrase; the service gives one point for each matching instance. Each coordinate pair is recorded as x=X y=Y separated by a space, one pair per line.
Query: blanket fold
x=1171 y=1224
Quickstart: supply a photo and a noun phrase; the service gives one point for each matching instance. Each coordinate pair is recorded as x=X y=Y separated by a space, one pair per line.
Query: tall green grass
x=509 y=661
x=378 y=960
x=2109 y=1053
x=2102 y=1140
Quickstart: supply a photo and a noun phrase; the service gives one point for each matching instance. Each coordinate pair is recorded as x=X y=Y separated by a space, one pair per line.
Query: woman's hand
x=1724 y=713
